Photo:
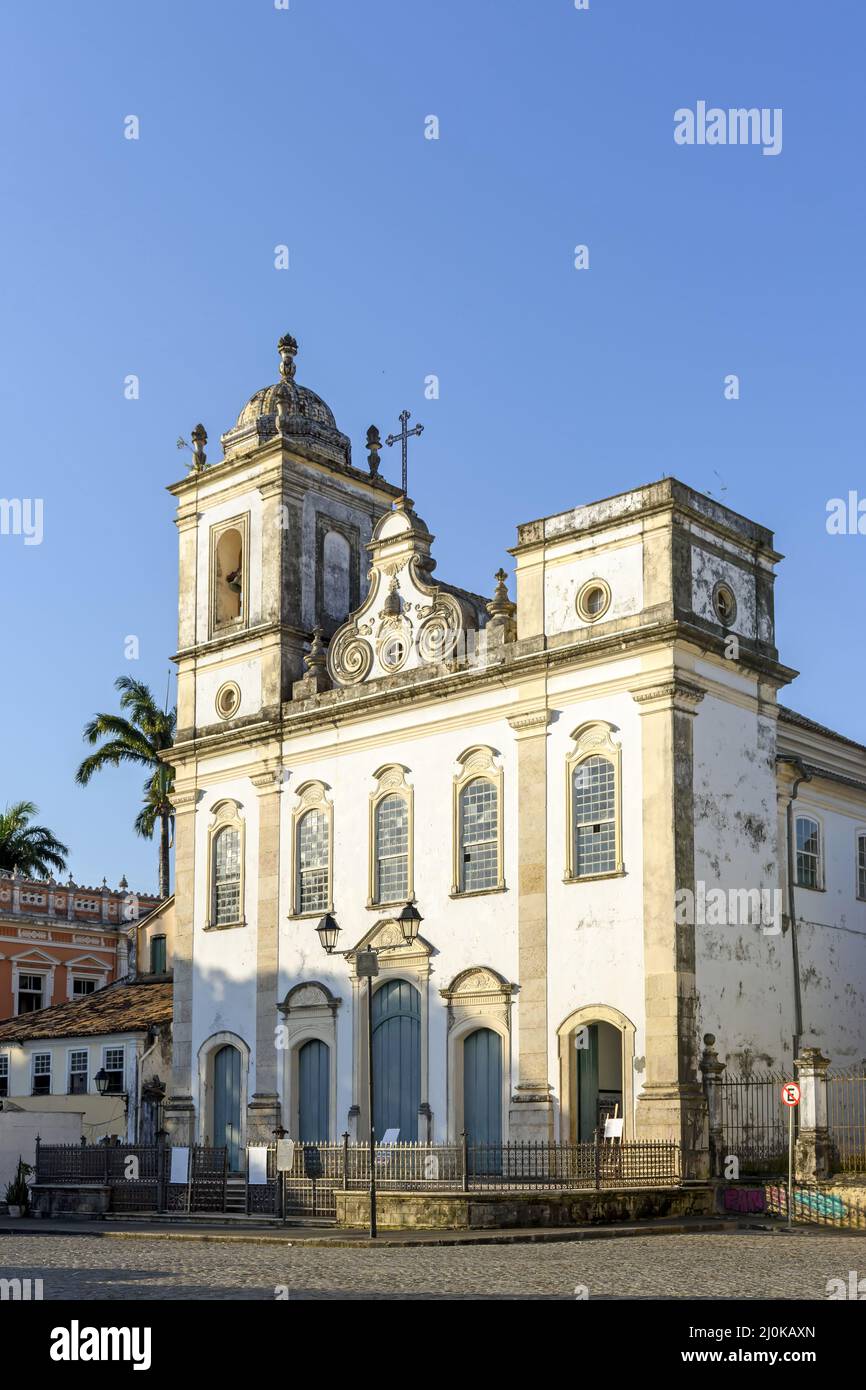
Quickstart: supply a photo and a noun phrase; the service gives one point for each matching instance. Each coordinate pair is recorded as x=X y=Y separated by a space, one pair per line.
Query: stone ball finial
x=287 y=347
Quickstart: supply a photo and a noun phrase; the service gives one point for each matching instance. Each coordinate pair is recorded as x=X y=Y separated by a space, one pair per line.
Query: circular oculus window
x=228 y=700
x=724 y=604
x=593 y=600
x=393 y=652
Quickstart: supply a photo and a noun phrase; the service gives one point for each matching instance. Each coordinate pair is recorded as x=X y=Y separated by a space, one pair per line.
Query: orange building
x=61 y=941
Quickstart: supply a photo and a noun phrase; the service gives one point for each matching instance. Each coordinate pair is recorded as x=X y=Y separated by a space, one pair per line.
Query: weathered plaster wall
x=621 y=565
x=743 y=970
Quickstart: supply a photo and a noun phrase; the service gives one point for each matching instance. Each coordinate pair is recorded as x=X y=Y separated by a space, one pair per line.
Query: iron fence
x=310 y=1175
x=138 y=1176
x=754 y=1123
x=846 y=1118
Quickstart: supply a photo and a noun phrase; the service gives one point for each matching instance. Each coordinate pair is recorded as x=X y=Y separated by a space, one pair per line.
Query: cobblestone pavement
x=730 y=1265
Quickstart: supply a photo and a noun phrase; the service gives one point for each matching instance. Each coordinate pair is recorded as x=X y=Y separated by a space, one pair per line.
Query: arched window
x=478 y=823
x=314 y=888
x=391 y=867
x=229 y=574
x=226 y=876
x=392 y=850
x=226 y=866
x=313 y=835
x=594 y=812
x=808 y=852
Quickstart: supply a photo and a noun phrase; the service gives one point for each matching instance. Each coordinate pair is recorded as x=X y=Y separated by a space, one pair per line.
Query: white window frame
x=225 y=815
x=5 y=1073
x=77 y=1052
x=391 y=781
x=21 y=974
x=49 y=1073
x=115 y=1047
x=818 y=885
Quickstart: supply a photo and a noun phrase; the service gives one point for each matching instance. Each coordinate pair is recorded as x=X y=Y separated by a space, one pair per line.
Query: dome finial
x=287 y=347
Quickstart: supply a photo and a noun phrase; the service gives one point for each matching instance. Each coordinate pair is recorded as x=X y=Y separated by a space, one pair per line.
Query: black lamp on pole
x=328 y=932
x=102 y=1080
x=410 y=920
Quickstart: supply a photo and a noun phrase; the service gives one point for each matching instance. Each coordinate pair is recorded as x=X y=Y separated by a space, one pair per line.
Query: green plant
x=17 y=1191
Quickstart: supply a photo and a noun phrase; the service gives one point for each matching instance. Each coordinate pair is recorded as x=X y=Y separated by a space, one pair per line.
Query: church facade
x=616 y=837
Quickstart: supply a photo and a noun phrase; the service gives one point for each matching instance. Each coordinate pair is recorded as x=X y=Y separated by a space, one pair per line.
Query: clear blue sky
x=411 y=257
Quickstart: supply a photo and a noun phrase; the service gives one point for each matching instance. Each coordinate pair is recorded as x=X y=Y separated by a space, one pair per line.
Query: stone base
x=431 y=1211
x=677 y=1114
x=530 y=1116
x=179 y=1120
x=263 y=1117
x=87 y=1200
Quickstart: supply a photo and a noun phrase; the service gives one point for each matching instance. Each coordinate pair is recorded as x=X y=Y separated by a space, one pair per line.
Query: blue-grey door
x=587 y=1083
x=482 y=1087
x=397 y=1059
x=314 y=1077
x=227 y=1103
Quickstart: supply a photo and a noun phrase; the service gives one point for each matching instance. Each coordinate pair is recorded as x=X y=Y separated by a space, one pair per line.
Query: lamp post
x=367 y=967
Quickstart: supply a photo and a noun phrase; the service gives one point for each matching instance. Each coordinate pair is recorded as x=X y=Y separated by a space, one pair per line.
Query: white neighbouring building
x=549 y=781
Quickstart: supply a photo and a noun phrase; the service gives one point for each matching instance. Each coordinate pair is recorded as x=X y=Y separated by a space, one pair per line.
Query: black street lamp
x=102 y=1080
x=367 y=967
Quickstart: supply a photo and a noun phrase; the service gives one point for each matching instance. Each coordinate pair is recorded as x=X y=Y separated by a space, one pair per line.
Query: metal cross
x=403 y=437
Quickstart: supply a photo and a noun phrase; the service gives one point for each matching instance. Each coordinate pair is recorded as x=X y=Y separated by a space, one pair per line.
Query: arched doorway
x=314 y=1092
x=227 y=1103
x=482 y=1098
x=596 y=1068
x=397 y=1058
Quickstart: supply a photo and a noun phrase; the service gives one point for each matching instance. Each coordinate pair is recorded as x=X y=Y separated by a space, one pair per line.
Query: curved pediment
x=406 y=620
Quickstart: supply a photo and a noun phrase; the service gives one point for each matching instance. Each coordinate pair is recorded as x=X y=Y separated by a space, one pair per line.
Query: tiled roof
x=790 y=716
x=124 y=1007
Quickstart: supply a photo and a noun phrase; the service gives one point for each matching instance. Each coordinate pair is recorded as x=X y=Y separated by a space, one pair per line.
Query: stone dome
x=294 y=412
x=300 y=400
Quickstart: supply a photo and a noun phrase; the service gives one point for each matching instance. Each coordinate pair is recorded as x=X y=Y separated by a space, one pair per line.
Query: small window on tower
x=228 y=578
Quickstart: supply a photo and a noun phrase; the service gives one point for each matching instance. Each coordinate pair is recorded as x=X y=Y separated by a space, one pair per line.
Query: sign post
x=791 y=1098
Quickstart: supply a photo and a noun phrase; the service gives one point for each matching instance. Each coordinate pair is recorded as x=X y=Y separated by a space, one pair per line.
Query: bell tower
x=273 y=541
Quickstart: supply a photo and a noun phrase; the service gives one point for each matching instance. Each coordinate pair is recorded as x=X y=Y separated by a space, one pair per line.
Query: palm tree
x=138 y=735
x=31 y=849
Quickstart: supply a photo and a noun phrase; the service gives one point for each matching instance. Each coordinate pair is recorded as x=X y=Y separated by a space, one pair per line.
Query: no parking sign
x=791 y=1093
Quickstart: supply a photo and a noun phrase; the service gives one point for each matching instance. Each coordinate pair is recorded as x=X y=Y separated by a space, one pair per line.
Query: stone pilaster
x=671 y=1105
x=263 y=1111
x=531 y=1113
x=180 y=1106
x=813 y=1154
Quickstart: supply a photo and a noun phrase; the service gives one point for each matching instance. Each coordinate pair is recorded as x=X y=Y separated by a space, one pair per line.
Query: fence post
x=711 y=1073
x=597 y=1162
x=813 y=1148
x=464 y=1160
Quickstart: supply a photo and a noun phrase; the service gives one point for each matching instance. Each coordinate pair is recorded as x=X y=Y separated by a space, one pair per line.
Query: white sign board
x=613 y=1128
x=390 y=1136
x=285 y=1155
x=257 y=1164
x=179 y=1165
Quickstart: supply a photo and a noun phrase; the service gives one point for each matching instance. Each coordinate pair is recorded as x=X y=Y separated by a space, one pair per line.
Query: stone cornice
x=675 y=694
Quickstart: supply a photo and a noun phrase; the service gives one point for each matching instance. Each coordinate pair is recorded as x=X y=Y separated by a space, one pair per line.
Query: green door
x=227 y=1104
x=587 y=1083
